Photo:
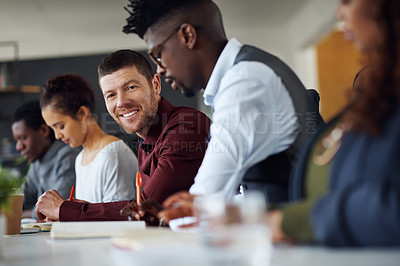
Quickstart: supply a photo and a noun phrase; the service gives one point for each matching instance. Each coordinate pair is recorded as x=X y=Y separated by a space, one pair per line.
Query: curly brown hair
x=67 y=93
x=379 y=90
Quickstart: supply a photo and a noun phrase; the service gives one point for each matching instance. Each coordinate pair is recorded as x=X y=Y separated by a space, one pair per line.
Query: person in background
x=347 y=183
x=51 y=162
x=260 y=107
x=172 y=139
x=106 y=167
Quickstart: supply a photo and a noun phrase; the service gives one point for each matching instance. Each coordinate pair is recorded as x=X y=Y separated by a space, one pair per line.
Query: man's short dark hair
x=125 y=58
x=31 y=115
x=146 y=13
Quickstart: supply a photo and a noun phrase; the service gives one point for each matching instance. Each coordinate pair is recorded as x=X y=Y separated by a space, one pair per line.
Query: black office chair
x=314 y=96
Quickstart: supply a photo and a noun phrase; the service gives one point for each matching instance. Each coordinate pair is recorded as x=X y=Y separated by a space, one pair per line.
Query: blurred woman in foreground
x=348 y=180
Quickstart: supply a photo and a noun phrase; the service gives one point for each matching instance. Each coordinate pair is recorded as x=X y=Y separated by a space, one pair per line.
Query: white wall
x=293 y=41
x=53 y=28
x=311 y=23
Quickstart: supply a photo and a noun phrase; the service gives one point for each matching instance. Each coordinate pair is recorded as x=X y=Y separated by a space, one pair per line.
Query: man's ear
x=44 y=130
x=189 y=34
x=156 y=82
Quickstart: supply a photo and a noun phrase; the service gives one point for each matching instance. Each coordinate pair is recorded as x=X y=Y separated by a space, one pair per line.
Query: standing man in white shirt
x=255 y=115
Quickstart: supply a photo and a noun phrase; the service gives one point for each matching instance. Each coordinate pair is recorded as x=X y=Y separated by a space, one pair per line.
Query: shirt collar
x=224 y=62
x=159 y=122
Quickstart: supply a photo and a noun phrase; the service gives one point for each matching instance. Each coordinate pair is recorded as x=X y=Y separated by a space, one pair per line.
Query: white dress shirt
x=253 y=118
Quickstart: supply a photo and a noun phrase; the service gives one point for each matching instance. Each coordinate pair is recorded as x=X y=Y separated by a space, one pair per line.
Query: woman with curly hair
x=106 y=167
x=347 y=184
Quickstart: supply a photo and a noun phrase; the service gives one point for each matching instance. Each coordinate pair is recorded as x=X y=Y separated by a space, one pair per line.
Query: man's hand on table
x=176 y=206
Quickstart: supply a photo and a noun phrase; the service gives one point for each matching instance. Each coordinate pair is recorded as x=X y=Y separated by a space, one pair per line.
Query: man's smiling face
x=131 y=99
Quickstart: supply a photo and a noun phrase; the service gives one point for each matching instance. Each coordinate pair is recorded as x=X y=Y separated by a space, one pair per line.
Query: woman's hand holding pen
x=72 y=198
x=48 y=206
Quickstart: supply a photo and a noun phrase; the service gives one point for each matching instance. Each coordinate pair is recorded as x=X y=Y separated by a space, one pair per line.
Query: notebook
x=44 y=227
x=94 y=229
x=155 y=238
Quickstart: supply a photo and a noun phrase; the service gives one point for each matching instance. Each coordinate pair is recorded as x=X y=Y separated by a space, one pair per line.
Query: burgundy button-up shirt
x=168 y=158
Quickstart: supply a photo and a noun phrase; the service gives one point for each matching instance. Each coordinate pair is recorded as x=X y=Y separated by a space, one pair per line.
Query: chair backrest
x=314 y=95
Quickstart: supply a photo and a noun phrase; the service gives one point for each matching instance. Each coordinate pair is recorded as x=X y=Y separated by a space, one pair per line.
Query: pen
x=71 y=196
x=138 y=187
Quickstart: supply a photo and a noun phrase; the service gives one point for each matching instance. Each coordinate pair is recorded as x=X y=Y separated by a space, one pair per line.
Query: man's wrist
x=69 y=211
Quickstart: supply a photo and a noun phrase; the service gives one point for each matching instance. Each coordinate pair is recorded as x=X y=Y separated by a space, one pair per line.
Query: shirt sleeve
x=64 y=177
x=30 y=189
x=76 y=211
x=360 y=214
x=252 y=119
x=181 y=153
x=296 y=220
x=296 y=215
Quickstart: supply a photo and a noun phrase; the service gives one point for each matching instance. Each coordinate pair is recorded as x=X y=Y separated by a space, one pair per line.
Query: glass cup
x=234 y=232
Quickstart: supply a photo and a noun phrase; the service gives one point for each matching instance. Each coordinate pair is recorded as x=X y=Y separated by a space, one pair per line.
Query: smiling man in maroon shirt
x=172 y=139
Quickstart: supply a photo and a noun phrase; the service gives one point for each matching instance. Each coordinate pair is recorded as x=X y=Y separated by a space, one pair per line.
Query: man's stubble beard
x=146 y=119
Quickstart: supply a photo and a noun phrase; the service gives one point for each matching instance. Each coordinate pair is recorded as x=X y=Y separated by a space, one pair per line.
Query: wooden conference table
x=39 y=249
